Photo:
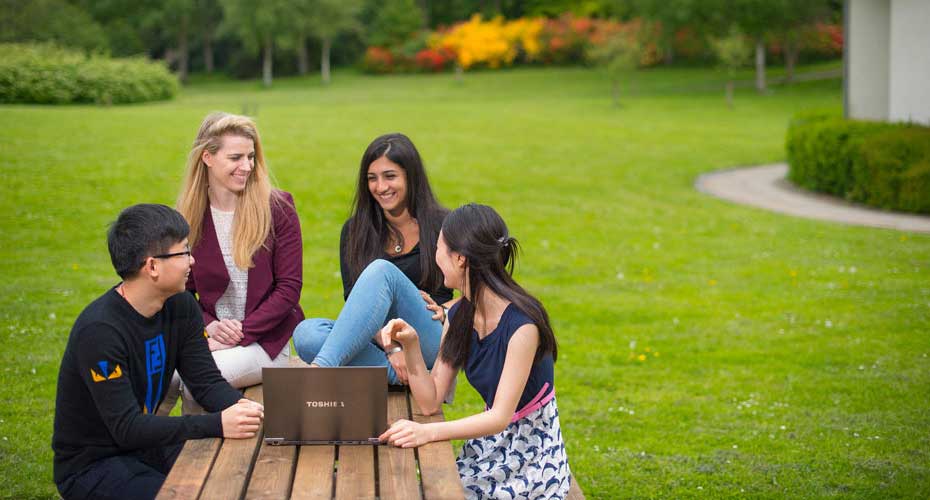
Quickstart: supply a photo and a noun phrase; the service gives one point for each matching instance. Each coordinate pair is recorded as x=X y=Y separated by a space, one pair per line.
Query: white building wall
x=909 y=89
x=867 y=63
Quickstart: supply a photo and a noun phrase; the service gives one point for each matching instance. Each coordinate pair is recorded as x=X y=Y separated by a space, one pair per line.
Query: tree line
x=245 y=37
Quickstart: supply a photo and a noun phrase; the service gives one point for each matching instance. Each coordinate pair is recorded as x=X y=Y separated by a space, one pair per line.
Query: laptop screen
x=309 y=405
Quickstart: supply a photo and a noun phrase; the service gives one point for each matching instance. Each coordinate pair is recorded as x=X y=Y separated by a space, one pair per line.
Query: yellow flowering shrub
x=493 y=43
x=524 y=34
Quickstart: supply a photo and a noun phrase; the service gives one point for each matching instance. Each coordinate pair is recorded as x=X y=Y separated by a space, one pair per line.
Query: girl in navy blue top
x=501 y=336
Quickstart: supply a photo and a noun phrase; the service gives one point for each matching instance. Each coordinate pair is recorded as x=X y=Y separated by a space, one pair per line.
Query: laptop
x=310 y=405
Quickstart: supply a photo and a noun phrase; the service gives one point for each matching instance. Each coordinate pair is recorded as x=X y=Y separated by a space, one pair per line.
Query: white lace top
x=231 y=304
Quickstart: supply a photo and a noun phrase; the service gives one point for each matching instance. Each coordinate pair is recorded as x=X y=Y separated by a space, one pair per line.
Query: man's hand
x=243 y=419
x=225 y=331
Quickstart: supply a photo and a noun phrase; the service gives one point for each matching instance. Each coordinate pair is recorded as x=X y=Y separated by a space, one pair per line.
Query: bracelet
x=393 y=350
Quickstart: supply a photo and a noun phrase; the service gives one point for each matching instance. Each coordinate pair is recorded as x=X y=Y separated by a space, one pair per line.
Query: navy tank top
x=486 y=359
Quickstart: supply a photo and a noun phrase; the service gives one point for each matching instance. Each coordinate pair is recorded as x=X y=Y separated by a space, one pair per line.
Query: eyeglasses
x=175 y=254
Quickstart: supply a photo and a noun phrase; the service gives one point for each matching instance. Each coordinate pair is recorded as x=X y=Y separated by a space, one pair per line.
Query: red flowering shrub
x=378 y=60
x=434 y=60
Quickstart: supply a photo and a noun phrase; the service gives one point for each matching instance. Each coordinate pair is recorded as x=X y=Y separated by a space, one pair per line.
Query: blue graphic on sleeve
x=154 y=368
x=105 y=373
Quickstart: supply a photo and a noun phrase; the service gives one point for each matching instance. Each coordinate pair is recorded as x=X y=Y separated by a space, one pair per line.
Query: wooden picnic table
x=249 y=468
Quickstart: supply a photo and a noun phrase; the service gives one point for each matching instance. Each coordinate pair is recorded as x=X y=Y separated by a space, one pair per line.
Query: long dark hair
x=479 y=234
x=369 y=230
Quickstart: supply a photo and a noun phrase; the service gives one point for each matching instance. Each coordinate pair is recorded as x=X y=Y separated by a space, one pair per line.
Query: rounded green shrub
x=885 y=165
x=890 y=165
x=46 y=74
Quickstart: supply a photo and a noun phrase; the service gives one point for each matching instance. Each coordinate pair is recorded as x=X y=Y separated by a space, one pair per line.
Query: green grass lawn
x=706 y=349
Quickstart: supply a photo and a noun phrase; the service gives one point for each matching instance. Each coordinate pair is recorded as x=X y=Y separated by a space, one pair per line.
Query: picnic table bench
x=249 y=468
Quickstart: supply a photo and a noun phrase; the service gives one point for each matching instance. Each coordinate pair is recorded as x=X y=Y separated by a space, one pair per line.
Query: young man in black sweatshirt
x=121 y=354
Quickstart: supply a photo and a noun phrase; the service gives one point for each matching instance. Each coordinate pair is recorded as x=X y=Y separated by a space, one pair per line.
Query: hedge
x=885 y=165
x=46 y=74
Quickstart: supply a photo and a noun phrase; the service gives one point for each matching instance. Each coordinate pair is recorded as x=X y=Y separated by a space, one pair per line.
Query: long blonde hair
x=252 y=224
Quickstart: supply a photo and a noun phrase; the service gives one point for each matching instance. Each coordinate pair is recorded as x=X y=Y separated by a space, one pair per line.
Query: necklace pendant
x=398 y=248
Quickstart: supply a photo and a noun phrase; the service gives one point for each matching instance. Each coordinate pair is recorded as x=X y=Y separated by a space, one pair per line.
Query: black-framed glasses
x=175 y=254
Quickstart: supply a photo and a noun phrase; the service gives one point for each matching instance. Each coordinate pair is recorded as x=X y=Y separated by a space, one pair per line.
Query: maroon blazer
x=272 y=308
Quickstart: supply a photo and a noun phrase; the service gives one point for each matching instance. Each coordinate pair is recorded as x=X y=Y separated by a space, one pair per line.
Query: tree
x=256 y=24
x=774 y=19
x=127 y=24
x=174 y=18
x=672 y=15
x=208 y=15
x=733 y=52
x=324 y=20
x=53 y=21
x=794 y=16
x=619 y=55
x=394 y=22
x=447 y=12
x=757 y=19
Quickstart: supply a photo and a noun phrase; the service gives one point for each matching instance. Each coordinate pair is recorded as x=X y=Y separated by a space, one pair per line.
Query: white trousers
x=241 y=366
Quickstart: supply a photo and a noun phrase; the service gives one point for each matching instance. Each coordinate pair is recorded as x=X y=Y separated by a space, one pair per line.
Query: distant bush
x=46 y=74
x=886 y=165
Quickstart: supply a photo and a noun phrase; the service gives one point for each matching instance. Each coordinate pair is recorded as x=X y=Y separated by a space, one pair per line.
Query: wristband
x=393 y=350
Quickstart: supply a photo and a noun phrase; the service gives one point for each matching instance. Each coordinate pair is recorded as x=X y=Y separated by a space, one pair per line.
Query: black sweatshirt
x=114 y=374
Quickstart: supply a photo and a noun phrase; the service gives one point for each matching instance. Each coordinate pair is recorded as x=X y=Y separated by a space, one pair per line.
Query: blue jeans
x=381 y=293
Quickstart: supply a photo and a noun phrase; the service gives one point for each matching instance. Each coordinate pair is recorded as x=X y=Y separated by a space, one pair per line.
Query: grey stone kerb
x=765 y=187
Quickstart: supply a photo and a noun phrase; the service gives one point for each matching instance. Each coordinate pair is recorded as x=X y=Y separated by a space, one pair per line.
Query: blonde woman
x=245 y=237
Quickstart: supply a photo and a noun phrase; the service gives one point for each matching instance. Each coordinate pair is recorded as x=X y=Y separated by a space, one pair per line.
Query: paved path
x=765 y=187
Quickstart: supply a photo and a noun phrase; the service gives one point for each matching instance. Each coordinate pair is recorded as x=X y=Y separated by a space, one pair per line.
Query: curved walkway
x=765 y=187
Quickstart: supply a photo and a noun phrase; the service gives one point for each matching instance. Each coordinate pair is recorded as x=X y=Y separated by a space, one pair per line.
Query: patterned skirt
x=525 y=460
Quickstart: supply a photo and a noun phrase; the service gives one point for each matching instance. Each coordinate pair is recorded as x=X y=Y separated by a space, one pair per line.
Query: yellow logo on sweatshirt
x=105 y=373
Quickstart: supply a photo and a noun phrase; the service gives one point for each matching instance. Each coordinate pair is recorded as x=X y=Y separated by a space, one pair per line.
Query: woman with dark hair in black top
x=387 y=255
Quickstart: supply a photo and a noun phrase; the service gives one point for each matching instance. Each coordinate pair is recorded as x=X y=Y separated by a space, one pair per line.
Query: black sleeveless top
x=408 y=263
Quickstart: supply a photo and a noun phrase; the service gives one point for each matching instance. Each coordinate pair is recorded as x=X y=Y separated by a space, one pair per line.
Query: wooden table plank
x=273 y=472
x=233 y=466
x=191 y=469
x=313 y=478
x=397 y=467
x=355 y=473
x=574 y=493
x=438 y=473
